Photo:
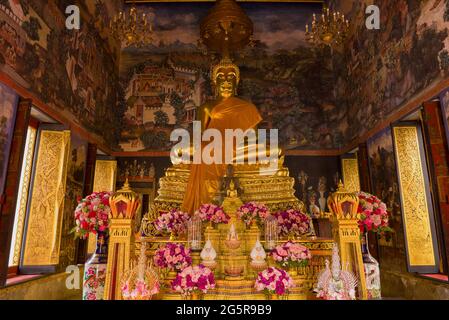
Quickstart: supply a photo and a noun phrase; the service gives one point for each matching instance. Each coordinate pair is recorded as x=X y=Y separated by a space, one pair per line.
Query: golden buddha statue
x=227 y=29
x=226 y=112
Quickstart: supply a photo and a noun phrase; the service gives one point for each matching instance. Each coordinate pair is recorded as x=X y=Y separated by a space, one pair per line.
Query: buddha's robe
x=231 y=113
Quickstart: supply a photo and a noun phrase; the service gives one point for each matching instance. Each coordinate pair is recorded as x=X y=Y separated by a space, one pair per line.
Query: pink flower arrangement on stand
x=292 y=223
x=212 y=213
x=291 y=255
x=251 y=212
x=172 y=256
x=140 y=290
x=92 y=214
x=173 y=222
x=373 y=214
x=274 y=281
x=194 y=279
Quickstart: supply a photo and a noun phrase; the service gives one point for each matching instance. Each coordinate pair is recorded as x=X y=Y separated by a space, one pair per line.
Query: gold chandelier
x=133 y=28
x=331 y=30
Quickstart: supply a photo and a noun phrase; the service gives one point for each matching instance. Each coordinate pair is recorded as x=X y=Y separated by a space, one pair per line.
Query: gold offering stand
x=235 y=277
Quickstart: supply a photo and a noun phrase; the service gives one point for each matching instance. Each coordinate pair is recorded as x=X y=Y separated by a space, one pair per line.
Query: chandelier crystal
x=329 y=30
x=133 y=28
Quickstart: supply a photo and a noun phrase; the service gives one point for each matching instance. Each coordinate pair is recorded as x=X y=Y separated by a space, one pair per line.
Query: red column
x=9 y=198
x=88 y=189
x=365 y=185
x=438 y=156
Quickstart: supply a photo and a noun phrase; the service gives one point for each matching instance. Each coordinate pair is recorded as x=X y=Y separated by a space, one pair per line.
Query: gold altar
x=243 y=287
x=227 y=29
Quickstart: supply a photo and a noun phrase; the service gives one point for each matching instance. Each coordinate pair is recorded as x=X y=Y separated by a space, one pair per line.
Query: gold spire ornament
x=124 y=204
x=344 y=218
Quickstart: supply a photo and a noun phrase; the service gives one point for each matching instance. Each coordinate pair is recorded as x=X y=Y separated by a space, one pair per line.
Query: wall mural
x=315 y=179
x=74 y=191
x=385 y=185
x=8 y=109
x=290 y=83
x=74 y=72
x=388 y=67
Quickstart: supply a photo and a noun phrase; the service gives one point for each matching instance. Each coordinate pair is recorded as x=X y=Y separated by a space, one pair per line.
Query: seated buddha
x=225 y=112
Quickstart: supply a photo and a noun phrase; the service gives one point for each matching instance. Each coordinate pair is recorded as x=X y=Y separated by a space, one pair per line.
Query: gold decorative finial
x=341 y=187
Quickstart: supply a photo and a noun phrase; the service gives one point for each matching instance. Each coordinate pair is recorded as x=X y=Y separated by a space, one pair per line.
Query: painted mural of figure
x=152 y=172
x=322 y=190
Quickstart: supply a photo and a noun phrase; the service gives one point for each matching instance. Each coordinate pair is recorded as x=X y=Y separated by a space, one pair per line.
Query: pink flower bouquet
x=92 y=214
x=373 y=214
x=251 y=212
x=191 y=279
x=212 y=213
x=274 y=281
x=173 y=222
x=291 y=254
x=172 y=256
x=293 y=222
x=139 y=291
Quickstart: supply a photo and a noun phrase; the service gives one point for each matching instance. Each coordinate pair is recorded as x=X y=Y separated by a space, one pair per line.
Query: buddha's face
x=226 y=82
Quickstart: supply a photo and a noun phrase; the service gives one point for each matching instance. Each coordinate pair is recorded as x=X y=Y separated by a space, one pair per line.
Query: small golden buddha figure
x=225 y=112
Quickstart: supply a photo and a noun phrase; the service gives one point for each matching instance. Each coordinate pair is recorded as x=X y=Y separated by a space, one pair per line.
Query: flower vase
x=95 y=269
x=196 y=296
x=372 y=270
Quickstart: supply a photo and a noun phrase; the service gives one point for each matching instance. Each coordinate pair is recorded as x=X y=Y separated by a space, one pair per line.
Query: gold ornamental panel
x=105 y=175
x=351 y=179
x=43 y=234
x=414 y=197
x=104 y=180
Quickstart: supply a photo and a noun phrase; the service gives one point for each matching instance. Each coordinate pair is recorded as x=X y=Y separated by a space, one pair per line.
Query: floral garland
x=194 y=278
x=292 y=223
x=373 y=214
x=92 y=214
x=173 y=222
x=141 y=290
x=274 y=281
x=172 y=256
x=291 y=254
x=252 y=211
x=213 y=213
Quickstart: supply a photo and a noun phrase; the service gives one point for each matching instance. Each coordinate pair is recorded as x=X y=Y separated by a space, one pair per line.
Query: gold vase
x=196 y=296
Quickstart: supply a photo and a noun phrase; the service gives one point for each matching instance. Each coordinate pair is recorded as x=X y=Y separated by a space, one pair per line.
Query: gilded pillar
x=124 y=204
x=346 y=232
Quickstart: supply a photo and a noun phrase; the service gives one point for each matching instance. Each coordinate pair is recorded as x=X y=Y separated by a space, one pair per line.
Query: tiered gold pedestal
x=242 y=288
x=274 y=188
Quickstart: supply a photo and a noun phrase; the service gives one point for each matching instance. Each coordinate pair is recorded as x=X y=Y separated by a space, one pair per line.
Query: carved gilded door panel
x=416 y=199
x=42 y=239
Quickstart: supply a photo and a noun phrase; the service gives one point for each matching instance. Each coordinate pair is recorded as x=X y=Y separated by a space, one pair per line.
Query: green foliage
x=154 y=140
x=161 y=118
